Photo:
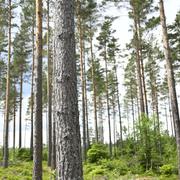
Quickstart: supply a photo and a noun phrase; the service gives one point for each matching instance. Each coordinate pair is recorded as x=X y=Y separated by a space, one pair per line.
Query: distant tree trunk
x=6 y=120
x=142 y=65
x=133 y=117
x=53 y=154
x=114 y=125
x=37 y=158
x=82 y=78
x=171 y=81
x=32 y=92
x=107 y=102
x=14 y=122
x=119 y=106
x=94 y=88
x=49 y=91
x=100 y=117
x=166 y=116
x=68 y=147
x=20 y=108
x=138 y=63
x=86 y=109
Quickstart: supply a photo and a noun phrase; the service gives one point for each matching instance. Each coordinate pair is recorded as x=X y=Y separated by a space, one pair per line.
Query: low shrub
x=167 y=169
x=96 y=153
x=23 y=154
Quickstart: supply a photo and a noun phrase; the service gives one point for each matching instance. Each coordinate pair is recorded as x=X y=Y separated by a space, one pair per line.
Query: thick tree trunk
x=6 y=120
x=49 y=91
x=68 y=147
x=171 y=81
x=32 y=92
x=20 y=108
x=37 y=142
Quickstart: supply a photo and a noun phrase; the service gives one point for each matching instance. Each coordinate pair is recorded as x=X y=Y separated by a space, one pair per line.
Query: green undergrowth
x=22 y=170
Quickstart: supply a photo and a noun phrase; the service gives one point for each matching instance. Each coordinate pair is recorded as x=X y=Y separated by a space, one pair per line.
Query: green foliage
x=23 y=154
x=23 y=170
x=119 y=167
x=97 y=152
x=45 y=154
x=167 y=169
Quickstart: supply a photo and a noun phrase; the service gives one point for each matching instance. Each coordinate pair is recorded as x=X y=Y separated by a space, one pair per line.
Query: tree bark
x=6 y=120
x=49 y=91
x=171 y=81
x=82 y=78
x=37 y=142
x=107 y=102
x=94 y=88
x=20 y=107
x=68 y=147
x=138 y=63
x=32 y=92
x=14 y=122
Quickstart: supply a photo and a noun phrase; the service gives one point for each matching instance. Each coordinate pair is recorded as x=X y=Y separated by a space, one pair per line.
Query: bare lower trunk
x=49 y=91
x=14 y=123
x=107 y=102
x=6 y=120
x=82 y=78
x=20 y=109
x=94 y=90
x=171 y=81
x=37 y=141
x=68 y=146
x=32 y=93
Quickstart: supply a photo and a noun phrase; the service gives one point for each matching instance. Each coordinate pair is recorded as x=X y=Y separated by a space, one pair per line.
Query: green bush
x=96 y=153
x=23 y=154
x=119 y=167
x=167 y=169
x=45 y=154
x=98 y=171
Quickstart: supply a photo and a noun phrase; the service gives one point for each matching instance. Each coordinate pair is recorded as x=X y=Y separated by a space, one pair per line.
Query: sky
x=122 y=26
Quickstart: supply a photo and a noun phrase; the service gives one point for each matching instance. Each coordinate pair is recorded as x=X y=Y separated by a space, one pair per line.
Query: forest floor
x=22 y=170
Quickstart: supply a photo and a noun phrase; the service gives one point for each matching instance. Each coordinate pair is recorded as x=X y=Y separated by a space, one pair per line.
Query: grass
x=22 y=170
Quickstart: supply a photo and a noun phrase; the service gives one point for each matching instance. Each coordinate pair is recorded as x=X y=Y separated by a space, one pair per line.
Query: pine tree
x=6 y=121
x=171 y=81
x=37 y=143
x=69 y=163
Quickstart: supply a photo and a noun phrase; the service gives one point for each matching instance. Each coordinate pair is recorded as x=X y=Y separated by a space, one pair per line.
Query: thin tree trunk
x=14 y=122
x=94 y=89
x=20 y=108
x=119 y=106
x=68 y=147
x=114 y=126
x=82 y=78
x=86 y=108
x=138 y=63
x=6 y=120
x=107 y=102
x=166 y=116
x=49 y=91
x=171 y=81
x=37 y=142
x=32 y=92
